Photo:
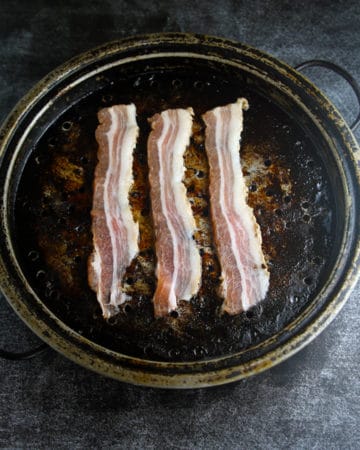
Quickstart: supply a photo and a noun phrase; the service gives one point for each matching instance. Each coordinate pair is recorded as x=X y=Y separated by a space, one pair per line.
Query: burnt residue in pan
x=288 y=190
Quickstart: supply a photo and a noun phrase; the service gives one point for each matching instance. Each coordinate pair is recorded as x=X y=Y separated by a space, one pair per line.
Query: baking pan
x=300 y=162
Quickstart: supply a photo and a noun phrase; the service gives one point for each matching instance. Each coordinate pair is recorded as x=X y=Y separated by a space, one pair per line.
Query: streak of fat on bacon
x=115 y=234
x=244 y=275
x=178 y=269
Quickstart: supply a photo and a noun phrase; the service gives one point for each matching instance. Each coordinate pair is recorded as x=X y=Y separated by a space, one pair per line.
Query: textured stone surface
x=309 y=401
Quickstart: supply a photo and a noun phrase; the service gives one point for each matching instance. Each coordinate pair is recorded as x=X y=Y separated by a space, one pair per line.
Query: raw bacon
x=245 y=278
x=178 y=269
x=115 y=234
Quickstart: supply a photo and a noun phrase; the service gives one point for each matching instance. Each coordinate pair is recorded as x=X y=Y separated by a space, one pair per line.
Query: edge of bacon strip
x=115 y=234
x=245 y=278
x=178 y=268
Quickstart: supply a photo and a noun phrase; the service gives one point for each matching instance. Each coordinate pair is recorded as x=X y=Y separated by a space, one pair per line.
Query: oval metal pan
x=88 y=82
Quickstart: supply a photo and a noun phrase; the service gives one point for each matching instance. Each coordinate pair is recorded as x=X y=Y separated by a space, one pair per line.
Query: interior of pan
x=294 y=188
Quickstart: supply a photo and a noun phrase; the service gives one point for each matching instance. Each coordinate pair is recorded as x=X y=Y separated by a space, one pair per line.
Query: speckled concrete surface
x=311 y=400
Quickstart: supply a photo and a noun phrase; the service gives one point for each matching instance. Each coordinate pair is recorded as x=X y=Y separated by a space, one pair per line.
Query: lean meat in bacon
x=115 y=234
x=178 y=269
x=245 y=278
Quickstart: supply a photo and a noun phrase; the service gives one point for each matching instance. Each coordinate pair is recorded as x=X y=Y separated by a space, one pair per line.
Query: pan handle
x=28 y=354
x=340 y=71
x=23 y=355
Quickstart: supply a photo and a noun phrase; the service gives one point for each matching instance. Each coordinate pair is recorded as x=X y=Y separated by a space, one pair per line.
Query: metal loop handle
x=24 y=355
x=340 y=71
x=28 y=354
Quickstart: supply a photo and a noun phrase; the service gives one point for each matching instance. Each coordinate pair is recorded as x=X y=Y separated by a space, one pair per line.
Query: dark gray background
x=311 y=400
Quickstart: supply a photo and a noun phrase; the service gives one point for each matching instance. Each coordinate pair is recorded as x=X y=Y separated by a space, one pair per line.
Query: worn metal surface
x=49 y=228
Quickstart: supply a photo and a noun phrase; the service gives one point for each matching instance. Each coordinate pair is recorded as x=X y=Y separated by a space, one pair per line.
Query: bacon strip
x=115 y=234
x=245 y=278
x=178 y=268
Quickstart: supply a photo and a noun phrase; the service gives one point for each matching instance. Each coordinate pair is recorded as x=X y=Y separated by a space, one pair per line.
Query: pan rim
x=192 y=380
